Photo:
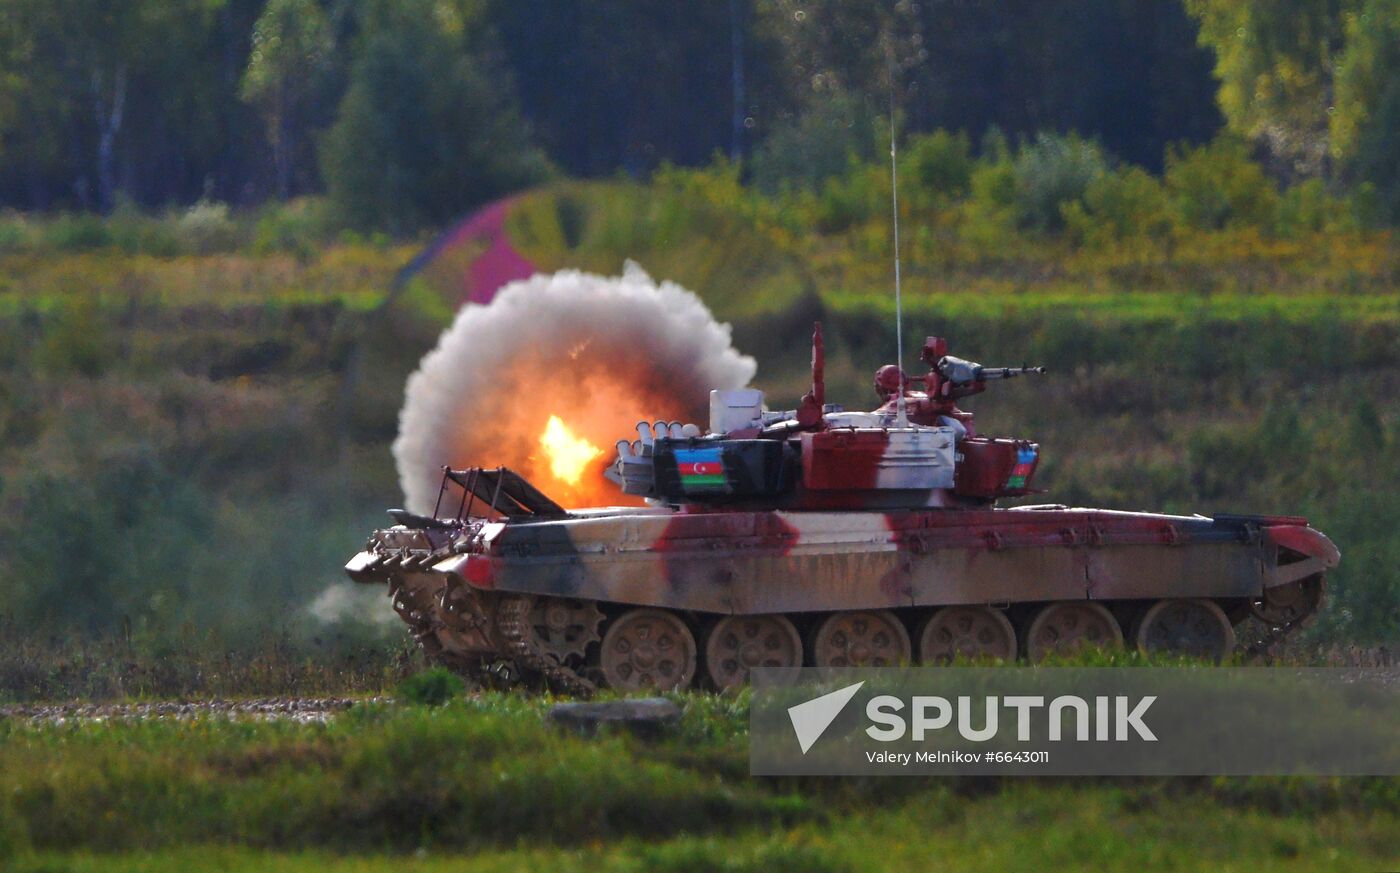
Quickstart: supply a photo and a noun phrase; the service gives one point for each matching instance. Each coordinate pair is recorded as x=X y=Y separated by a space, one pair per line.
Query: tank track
x=513 y=630
x=509 y=625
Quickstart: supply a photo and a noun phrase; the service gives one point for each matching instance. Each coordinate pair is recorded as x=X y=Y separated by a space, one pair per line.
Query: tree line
x=409 y=112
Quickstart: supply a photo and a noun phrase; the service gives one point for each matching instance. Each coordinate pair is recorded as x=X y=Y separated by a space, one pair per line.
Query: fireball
x=568 y=454
x=547 y=377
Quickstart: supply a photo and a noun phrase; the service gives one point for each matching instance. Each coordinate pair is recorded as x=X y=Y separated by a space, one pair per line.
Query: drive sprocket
x=518 y=627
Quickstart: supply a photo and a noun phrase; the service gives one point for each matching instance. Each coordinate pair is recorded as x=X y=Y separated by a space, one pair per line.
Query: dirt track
x=300 y=709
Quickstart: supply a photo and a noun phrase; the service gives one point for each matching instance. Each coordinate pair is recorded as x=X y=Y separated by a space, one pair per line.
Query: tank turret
x=920 y=453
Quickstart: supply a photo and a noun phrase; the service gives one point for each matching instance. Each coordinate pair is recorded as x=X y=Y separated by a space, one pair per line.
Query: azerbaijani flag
x=701 y=469
x=1025 y=463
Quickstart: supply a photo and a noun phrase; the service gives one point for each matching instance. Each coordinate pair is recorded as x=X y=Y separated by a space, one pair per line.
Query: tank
x=824 y=537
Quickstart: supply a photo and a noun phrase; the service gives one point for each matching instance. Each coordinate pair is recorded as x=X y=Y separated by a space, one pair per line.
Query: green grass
x=485 y=784
x=1035 y=828
x=477 y=774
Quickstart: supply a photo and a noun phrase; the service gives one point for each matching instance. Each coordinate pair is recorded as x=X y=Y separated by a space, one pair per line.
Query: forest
x=409 y=113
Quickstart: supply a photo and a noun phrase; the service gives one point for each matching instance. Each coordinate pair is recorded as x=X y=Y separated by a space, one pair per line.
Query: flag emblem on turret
x=1025 y=463
x=701 y=469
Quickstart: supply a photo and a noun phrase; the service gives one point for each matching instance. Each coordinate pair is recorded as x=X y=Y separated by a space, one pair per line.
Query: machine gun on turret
x=960 y=371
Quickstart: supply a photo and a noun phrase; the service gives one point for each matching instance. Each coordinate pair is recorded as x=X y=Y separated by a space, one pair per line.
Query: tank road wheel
x=1187 y=627
x=1287 y=605
x=861 y=639
x=564 y=627
x=648 y=648
x=1069 y=625
x=739 y=643
x=968 y=632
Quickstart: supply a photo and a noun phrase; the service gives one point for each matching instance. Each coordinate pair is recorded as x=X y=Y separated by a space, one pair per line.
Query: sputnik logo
x=811 y=719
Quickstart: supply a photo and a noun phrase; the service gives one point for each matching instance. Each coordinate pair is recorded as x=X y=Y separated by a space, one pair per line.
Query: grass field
x=485 y=784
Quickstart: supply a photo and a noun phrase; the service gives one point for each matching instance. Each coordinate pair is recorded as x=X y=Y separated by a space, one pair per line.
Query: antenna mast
x=901 y=420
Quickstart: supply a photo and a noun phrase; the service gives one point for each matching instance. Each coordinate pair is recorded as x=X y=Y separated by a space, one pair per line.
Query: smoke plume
x=600 y=353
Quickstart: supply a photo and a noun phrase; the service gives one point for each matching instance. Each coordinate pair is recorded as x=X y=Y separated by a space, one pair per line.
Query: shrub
x=1217 y=186
x=1051 y=172
x=78 y=233
x=854 y=198
x=206 y=227
x=938 y=167
x=75 y=342
x=136 y=233
x=1308 y=208
x=432 y=687
x=989 y=216
x=16 y=231
x=122 y=544
x=820 y=144
x=1122 y=204
x=295 y=227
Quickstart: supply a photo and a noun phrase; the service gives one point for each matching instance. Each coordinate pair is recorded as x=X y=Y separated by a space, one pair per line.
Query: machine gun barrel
x=1008 y=372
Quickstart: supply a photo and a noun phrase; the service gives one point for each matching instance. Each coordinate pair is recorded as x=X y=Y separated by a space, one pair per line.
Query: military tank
x=824 y=537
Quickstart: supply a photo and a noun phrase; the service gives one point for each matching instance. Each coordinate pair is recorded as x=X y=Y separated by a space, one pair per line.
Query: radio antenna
x=901 y=419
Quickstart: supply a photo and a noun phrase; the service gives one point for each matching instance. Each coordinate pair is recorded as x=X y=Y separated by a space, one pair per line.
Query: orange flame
x=558 y=428
x=569 y=454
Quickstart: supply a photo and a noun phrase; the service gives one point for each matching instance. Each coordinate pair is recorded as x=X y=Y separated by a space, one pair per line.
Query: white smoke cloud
x=341 y=601
x=600 y=352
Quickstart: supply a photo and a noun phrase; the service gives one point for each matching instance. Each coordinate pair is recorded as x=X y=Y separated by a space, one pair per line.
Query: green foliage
x=990 y=215
x=432 y=687
x=287 y=67
x=297 y=227
x=1275 y=62
x=206 y=227
x=701 y=228
x=96 y=89
x=1366 y=124
x=79 y=233
x=1122 y=204
x=14 y=837
x=76 y=343
x=803 y=152
x=1309 y=208
x=134 y=558
x=1052 y=173
x=852 y=199
x=937 y=167
x=719 y=856
x=1313 y=82
x=1217 y=186
x=427 y=128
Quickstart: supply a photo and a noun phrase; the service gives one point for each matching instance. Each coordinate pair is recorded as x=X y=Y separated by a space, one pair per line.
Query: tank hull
x=447 y=581
x=762 y=562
